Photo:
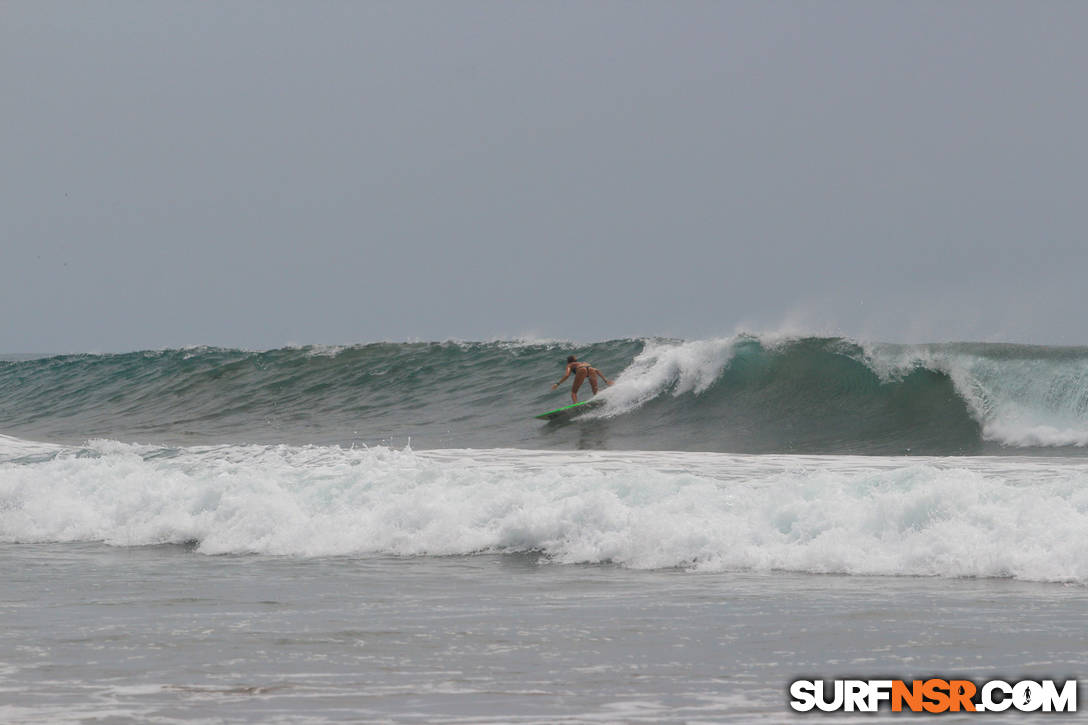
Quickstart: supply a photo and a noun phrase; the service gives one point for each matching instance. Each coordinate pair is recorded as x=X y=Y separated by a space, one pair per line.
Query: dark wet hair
x=570 y=359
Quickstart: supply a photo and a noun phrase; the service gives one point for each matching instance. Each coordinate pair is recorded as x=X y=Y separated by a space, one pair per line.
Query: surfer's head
x=570 y=359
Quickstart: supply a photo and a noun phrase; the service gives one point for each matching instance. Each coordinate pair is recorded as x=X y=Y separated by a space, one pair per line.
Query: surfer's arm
x=565 y=376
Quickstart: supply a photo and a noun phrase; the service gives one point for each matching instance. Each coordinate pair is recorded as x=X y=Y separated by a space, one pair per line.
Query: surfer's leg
x=578 y=378
x=593 y=380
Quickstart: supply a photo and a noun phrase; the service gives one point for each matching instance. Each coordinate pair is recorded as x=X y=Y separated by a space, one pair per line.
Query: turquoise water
x=738 y=394
x=384 y=533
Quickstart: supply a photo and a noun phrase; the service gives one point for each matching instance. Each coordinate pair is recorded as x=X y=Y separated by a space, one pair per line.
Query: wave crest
x=745 y=393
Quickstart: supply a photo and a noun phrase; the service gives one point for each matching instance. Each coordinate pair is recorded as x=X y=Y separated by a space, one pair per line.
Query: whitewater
x=740 y=394
x=383 y=532
x=645 y=510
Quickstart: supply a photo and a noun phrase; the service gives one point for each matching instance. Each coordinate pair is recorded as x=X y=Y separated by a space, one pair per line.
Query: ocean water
x=384 y=533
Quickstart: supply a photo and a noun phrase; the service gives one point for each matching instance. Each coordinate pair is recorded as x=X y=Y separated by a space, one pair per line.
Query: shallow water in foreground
x=166 y=634
x=320 y=584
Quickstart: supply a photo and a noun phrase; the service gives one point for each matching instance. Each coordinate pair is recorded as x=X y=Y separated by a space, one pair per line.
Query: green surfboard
x=567 y=409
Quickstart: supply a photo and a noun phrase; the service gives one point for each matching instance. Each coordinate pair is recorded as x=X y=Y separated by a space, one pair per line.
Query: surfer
x=581 y=370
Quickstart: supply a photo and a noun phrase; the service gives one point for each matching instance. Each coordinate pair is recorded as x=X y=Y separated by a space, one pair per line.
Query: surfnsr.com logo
x=933 y=695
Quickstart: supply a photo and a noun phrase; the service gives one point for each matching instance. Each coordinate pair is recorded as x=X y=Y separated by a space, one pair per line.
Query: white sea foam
x=1018 y=401
x=1027 y=400
x=662 y=366
x=531 y=341
x=1023 y=518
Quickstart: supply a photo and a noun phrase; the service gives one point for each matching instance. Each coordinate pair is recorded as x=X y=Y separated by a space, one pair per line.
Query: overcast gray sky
x=259 y=173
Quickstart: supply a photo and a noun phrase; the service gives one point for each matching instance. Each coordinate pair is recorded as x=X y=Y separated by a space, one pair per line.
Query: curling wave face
x=739 y=394
x=1025 y=518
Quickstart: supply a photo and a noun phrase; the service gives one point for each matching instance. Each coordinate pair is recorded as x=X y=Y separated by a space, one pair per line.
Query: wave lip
x=746 y=393
x=664 y=366
x=1021 y=395
x=1019 y=518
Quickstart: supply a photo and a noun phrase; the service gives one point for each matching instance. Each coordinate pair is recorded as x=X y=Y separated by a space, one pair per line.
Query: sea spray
x=744 y=393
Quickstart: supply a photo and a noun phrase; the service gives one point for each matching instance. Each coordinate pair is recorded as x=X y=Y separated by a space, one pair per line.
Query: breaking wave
x=1023 y=518
x=743 y=393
